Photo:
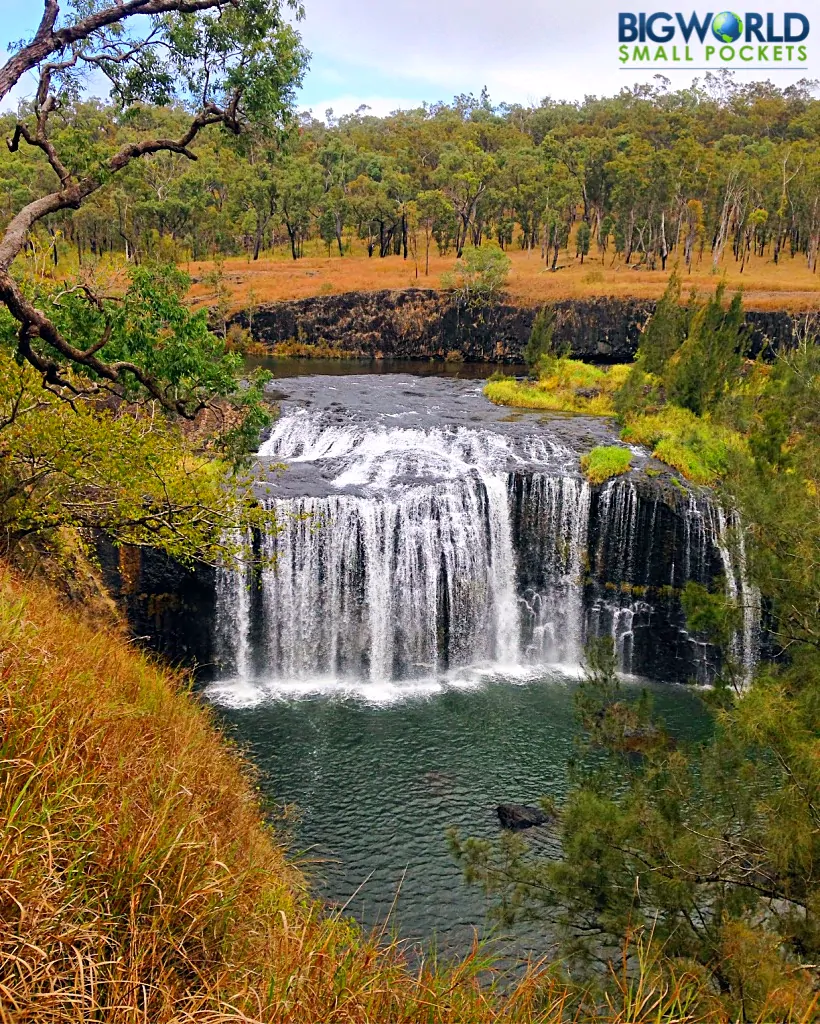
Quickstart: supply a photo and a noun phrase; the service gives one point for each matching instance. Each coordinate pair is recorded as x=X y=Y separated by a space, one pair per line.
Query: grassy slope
x=137 y=880
x=787 y=285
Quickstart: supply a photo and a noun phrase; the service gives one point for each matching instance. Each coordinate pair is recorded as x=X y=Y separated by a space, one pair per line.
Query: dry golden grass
x=139 y=884
x=137 y=880
x=788 y=285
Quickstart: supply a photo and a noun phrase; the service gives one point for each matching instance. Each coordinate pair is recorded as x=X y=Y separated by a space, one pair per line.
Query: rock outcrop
x=425 y=324
x=518 y=817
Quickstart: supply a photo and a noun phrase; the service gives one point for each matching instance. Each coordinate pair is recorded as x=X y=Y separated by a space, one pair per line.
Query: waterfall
x=729 y=540
x=552 y=525
x=396 y=588
x=233 y=605
x=416 y=553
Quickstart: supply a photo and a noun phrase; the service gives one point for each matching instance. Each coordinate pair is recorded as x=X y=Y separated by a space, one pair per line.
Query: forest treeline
x=718 y=170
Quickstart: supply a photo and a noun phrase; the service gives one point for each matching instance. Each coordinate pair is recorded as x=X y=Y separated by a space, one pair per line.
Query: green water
x=378 y=784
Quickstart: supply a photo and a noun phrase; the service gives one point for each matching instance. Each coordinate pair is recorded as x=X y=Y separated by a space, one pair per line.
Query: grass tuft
x=566 y=385
x=696 y=447
x=604 y=462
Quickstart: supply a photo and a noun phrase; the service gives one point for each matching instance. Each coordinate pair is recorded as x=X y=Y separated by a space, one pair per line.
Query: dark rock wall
x=644 y=543
x=423 y=324
x=171 y=609
x=641 y=556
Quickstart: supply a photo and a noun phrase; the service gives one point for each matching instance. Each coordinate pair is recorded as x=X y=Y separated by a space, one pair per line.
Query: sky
x=391 y=54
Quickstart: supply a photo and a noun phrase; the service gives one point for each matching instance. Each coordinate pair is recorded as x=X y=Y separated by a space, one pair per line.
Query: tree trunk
x=292 y=237
x=338 y=228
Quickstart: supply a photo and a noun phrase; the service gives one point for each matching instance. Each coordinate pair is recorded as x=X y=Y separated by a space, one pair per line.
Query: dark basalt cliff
x=170 y=608
x=424 y=324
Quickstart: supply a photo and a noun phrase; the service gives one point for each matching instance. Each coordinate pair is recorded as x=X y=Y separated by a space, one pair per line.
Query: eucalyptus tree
x=257 y=190
x=340 y=161
x=464 y=174
x=435 y=214
x=299 y=183
x=228 y=63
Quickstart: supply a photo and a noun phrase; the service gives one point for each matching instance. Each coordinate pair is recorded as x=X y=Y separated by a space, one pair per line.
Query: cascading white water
x=392 y=588
x=412 y=552
x=233 y=649
x=408 y=568
x=708 y=530
x=555 y=516
x=730 y=543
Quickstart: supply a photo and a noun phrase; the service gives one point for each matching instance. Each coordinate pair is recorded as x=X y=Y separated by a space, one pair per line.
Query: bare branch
x=46 y=41
x=40 y=142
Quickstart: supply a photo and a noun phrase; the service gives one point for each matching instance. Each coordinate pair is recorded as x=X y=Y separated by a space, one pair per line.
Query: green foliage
x=698 y=448
x=151 y=327
x=604 y=462
x=709 y=361
x=76 y=456
x=709 y=849
x=480 y=274
x=638 y=394
x=540 y=345
x=778 y=485
x=565 y=385
x=128 y=472
x=712 y=848
x=662 y=337
x=666 y=330
x=518 y=174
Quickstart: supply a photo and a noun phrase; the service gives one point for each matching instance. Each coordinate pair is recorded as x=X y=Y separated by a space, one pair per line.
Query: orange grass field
x=787 y=285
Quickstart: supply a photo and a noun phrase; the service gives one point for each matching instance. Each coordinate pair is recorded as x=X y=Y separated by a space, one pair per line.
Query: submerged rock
x=520 y=816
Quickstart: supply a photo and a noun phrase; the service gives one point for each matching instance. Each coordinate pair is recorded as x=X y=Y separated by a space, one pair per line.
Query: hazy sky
x=398 y=53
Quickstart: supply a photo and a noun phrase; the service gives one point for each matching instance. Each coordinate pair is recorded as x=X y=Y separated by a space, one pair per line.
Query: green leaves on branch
x=88 y=455
x=125 y=471
x=150 y=327
x=709 y=361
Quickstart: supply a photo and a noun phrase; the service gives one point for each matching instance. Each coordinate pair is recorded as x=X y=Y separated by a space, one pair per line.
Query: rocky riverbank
x=423 y=324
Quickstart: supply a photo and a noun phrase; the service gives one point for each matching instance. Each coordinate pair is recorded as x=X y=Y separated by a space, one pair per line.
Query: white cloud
x=520 y=49
x=349 y=104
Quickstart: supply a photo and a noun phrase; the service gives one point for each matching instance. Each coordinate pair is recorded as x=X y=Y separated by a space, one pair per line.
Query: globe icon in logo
x=727 y=27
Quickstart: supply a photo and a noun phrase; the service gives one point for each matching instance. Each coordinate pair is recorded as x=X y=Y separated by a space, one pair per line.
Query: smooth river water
x=378 y=784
